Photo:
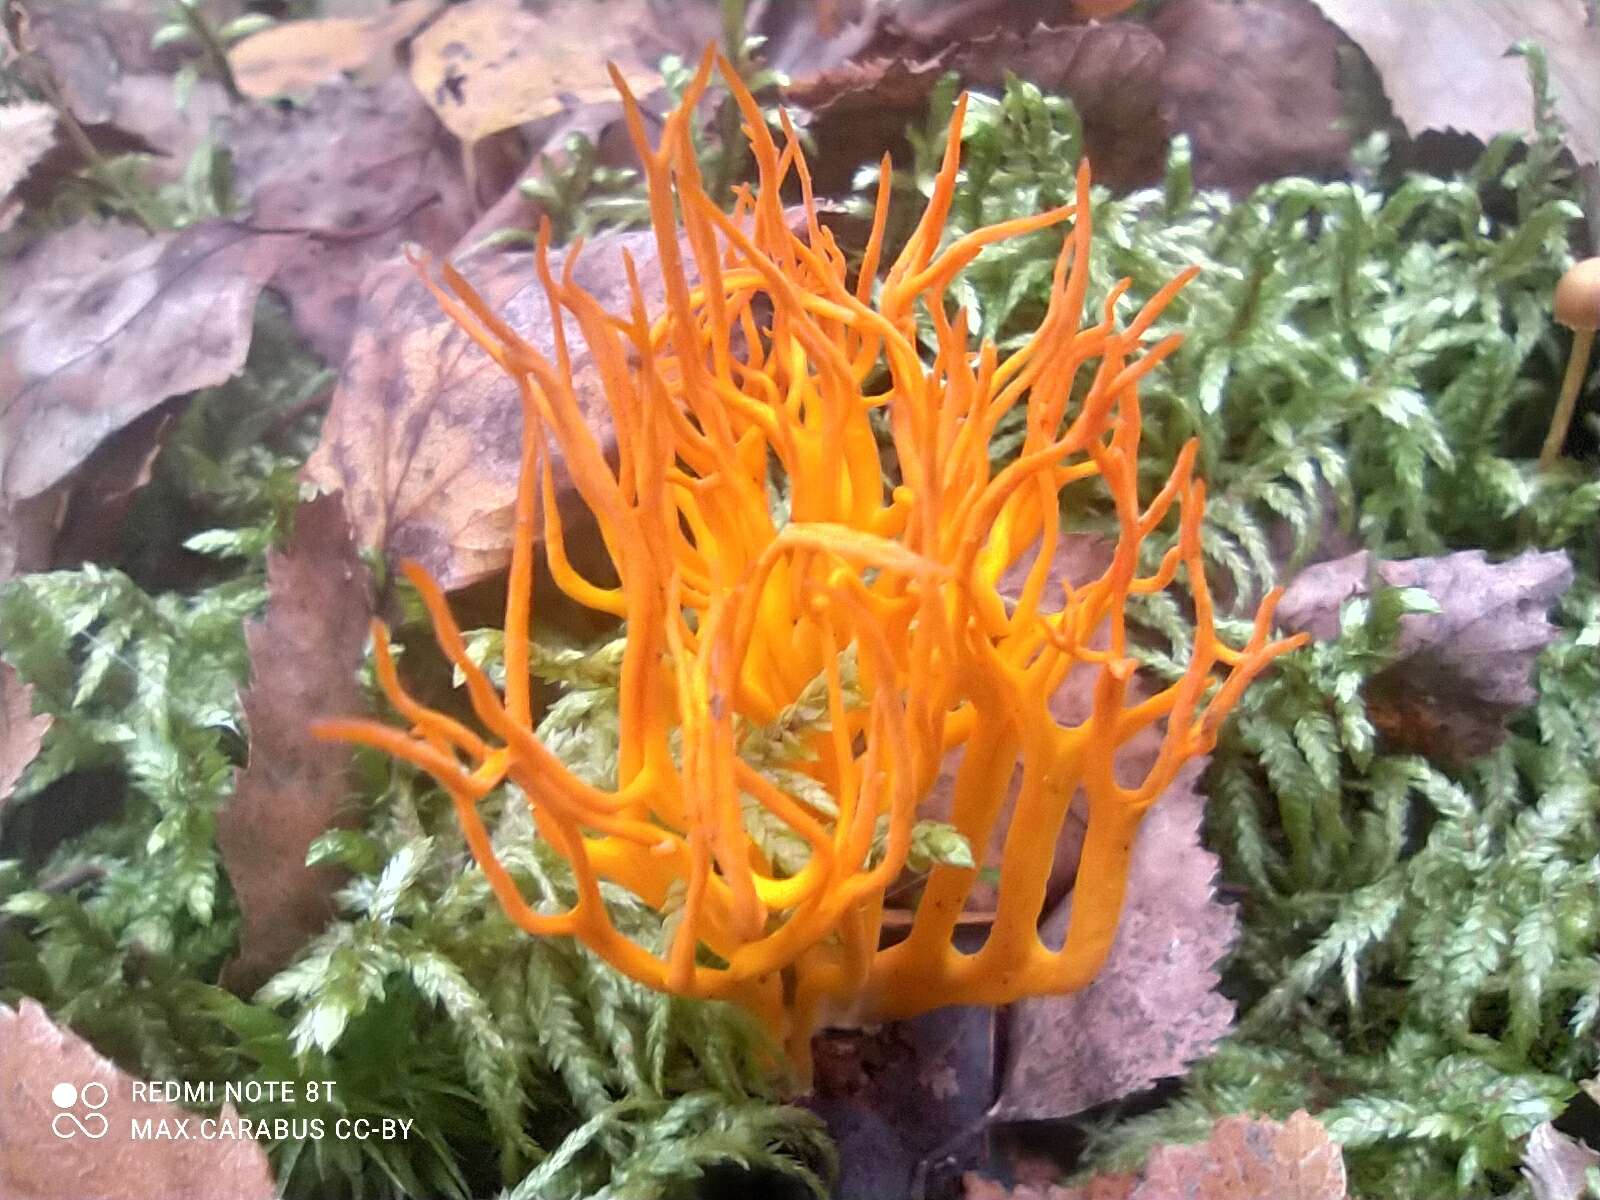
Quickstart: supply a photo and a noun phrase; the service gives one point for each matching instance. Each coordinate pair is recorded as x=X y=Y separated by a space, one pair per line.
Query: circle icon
x=68 y=1124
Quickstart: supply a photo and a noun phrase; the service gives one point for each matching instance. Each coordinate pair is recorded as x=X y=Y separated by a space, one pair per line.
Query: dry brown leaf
x=1255 y=86
x=805 y=40
x=28 y=530
x=99 y=324
x=1153 y=1007
x=298 y=55
x=1555 y=1165
x=120 y=88
x=89 y=48
x=424 y=431
x=1111 y=72
x=360 y=171
x=1245 y=1158
x=27 y=131
x=1459 y=674
x=21 y=733
x=104 y=488
x=488 y=65
x=66 y=1117
x=931 y=25
x=303 y=661
x=797 y=39
x=1445 y=66
x=1249 y=1159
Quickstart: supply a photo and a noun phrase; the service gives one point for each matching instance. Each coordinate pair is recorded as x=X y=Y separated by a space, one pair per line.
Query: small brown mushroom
x=1577 y=307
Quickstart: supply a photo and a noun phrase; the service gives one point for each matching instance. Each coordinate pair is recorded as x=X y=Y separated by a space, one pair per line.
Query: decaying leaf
x=488 y=65
x=28 y=531
x=104 y=488
x=1249 y=1159
x=66 y=1127
x=1446 y=66
x=359 y=171
x=298 y=55
x=796 y=39
x=99 y=324
x=1153 y=1007
x=1460 y=673
x=20 y=731
x=1244 y=1159
x=118 y=86
x=88 y=49
x=27 y=131
x=424 y=431
x=1112 y=73
x=803 y=41
x=1255 y=86
x=303 y=661
x=1556 y=1165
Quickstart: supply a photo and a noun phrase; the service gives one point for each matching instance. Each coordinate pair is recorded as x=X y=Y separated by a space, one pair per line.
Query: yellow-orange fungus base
x=764 y=370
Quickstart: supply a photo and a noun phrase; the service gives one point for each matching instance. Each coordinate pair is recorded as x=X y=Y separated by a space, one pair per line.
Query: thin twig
x=216 y=53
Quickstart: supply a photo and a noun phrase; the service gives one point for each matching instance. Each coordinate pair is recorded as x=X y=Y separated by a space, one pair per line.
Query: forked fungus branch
x=765 y=369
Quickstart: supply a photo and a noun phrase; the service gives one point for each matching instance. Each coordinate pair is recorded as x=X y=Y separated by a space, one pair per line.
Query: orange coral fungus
x=765 y=372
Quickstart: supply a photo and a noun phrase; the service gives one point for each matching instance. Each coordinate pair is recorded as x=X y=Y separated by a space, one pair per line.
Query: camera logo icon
x=67 y=1123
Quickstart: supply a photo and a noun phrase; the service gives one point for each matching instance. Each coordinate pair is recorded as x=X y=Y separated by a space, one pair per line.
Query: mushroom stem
x=1577 y=367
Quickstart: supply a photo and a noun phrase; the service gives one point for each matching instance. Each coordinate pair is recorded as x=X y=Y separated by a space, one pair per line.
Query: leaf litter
x=424 y=429
x=1442 y=72
x=357 y=172
x=297 y=56
x=398 y=111
x=303 y=659
x=102 y=323
x=1460 y=672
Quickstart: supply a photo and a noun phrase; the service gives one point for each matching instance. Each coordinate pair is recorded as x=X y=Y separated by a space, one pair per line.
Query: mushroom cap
x=1577 y=303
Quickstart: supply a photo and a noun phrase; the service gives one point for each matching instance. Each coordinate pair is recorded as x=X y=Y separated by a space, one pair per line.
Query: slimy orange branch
x=765 y=370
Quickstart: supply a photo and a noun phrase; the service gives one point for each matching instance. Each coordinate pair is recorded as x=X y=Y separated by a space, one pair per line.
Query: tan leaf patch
x=488 y=65
x=66 y=1127
x=1249 y=1159
x=303 y=661
x=1245 y=1158
x=424 y=431
x=298 y=55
